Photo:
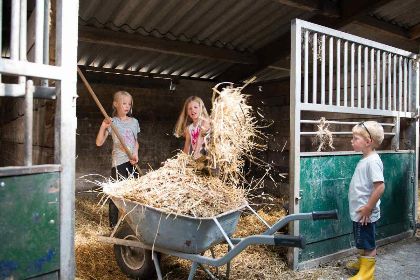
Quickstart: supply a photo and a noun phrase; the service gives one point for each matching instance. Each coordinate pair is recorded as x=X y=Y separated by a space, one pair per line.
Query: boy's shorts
x=364 y=236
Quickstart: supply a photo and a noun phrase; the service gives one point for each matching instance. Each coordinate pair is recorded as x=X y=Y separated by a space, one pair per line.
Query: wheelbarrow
x=148 y=231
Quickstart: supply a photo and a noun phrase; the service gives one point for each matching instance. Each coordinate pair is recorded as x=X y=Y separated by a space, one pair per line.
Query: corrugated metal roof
x=243 y=26
x=402 y=13
x=148 y=62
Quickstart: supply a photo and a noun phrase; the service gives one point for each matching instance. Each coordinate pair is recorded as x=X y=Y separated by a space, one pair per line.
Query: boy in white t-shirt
x=366 y=188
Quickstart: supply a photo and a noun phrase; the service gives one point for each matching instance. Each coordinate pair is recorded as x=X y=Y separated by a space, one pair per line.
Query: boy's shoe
x=353 y=265
x=367 y=269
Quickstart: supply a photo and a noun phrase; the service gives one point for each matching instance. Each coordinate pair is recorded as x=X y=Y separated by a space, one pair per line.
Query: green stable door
x=324 y=184
x=29 y=226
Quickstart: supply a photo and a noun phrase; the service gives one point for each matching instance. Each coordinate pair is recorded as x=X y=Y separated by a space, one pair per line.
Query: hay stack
x=178 y=188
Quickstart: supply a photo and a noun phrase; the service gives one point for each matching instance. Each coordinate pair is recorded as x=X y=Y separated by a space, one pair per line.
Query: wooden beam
x=325 y=8
x=415 y=32
x=143 y=75
x=383 y=26
x=111 y=78
x=280 y=48
x=353 y=9
x=133 y=41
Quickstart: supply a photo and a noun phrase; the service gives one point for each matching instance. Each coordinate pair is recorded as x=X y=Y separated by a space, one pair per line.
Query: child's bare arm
x=103 y=132
x=366 y=210
x=187 y=141
x=205 y=126
x=135 y=154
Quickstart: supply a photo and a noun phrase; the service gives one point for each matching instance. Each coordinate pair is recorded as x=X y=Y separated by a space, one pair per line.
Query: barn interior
x=162 y=52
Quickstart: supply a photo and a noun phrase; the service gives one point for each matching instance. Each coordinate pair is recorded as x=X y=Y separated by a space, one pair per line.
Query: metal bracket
x=395 y=143
x=416 y=115
x=297 y=198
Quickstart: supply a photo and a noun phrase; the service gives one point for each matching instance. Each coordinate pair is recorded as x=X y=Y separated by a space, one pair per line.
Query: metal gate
x=37 y=201
x=337 y=74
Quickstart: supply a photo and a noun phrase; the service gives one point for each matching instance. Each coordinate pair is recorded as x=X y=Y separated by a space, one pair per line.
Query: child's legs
x=122 y=170
x=364 y=237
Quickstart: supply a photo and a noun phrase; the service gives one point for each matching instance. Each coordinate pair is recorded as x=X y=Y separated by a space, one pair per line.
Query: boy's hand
x=364 y=214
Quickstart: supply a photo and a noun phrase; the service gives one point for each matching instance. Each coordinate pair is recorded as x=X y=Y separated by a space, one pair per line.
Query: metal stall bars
x=37 y=201
x=380 y=82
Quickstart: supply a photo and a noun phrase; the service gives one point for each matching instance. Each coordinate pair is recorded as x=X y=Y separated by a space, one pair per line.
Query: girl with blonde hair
x=128 y=127
x=193 y=124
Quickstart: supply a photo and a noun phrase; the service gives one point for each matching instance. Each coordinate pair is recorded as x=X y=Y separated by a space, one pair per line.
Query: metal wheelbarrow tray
x=177 y=232
x=151 y=230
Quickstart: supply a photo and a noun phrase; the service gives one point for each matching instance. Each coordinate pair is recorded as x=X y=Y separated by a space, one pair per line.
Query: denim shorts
x=364 y=236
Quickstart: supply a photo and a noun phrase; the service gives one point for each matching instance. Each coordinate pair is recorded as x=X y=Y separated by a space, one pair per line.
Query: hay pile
x=94 y=260
x=212 y=184
x=175 y=188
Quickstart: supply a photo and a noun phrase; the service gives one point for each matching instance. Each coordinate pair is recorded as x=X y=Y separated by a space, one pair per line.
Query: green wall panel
x=29 y=225
x=324 y=183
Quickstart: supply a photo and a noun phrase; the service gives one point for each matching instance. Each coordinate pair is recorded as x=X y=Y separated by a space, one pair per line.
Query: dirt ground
x=95 y=260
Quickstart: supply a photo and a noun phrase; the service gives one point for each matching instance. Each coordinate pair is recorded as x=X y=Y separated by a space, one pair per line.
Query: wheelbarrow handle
x=289 y=241
x=324 y=215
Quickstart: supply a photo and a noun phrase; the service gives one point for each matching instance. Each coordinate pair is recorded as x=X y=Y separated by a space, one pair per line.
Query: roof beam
x=125 y=79
x=133 y=41
x=353 y=9
x=383 y=26
x=143 y=75
x=414 y=32
x=280 y=48
x=325 y=8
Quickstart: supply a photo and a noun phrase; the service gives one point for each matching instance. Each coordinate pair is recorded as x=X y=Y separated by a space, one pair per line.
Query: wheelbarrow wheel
x=135 y=262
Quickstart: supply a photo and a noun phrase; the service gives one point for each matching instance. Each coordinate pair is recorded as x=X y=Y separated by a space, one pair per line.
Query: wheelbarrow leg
x=192 y=271
x=214 y=256
x=208 y=272
x=157 y=267
x=228 y=266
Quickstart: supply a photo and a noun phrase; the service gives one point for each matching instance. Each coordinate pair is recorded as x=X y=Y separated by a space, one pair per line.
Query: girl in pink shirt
x=193 y=124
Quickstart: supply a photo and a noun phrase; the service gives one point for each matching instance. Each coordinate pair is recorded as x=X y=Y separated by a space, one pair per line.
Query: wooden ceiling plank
x=414 y=32
x=325 y=8
x=383 y=26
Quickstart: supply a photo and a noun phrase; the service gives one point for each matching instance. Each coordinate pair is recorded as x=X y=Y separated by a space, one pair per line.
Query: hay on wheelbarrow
x=176 y=189
x=180 y=186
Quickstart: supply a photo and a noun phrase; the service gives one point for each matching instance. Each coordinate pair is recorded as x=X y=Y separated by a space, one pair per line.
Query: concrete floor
x=399 y=260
